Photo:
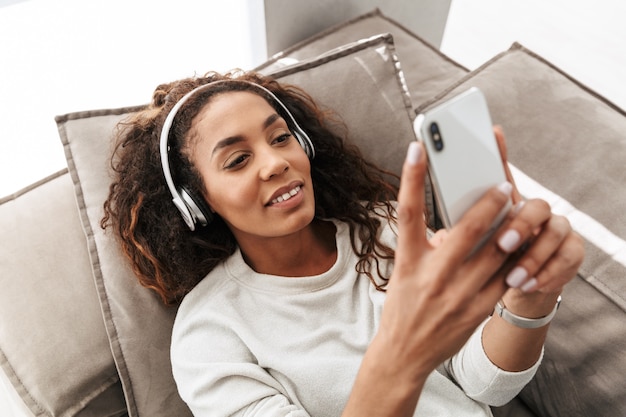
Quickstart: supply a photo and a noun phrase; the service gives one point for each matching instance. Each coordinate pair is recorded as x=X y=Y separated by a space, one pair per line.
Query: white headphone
x=195 y=210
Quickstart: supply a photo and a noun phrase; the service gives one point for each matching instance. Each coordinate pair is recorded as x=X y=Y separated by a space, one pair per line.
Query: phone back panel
x=469 y=161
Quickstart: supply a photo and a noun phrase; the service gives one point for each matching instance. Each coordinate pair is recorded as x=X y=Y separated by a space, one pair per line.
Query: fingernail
x=505 y=188
x=509 y=240
x=413 y=154
x=516 y=277
x=530 y=285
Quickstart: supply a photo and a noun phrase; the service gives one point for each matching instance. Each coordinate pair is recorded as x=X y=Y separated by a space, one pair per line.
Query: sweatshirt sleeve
x=480 y=379
x=217 y=376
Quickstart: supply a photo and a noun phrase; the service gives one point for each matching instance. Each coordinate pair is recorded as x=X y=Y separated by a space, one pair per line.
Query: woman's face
x=256 y=174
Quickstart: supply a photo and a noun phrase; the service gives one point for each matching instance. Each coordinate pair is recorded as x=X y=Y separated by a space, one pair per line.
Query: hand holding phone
x=463 y=156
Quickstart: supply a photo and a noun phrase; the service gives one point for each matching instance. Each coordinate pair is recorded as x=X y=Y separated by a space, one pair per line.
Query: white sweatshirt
x=248 y=344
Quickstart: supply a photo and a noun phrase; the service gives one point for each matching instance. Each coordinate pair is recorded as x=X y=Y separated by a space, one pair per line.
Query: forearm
x=384 y=386
x=513 y=348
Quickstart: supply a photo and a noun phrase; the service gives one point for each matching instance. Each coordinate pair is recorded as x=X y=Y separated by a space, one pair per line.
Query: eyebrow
x=232 y=140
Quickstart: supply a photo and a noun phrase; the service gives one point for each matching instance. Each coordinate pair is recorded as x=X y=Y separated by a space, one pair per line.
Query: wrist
x=383 y=386
x=526 y=322
x=389 y=359
x=531 y=305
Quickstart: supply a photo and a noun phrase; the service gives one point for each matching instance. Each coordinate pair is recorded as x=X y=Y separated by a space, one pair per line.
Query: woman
x=287 y=245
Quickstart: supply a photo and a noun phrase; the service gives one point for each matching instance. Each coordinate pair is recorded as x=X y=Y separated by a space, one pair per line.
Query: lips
x=285 y=193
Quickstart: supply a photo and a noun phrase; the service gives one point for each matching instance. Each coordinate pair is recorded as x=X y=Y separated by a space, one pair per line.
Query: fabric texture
x=566 y=144
x=138 y=325
x=53 y=343
x=430 y=70
x=280 y=347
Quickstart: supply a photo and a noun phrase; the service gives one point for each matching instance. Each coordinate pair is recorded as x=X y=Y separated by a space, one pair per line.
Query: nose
x=272 y=164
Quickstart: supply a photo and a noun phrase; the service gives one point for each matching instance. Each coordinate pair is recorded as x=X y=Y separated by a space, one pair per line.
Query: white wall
x=60 y=56
x=584 y=38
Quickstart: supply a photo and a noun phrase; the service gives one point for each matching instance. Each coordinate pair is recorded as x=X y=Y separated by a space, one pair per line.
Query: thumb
x=499 y=134
x=438 y=238
x=411 y=225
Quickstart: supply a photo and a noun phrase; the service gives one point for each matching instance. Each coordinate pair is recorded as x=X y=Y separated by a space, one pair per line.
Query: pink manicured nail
x=530 y=285
x=518 y=207
x=505 y=188
x=516 y=277
x=509 y=240
x=413 y=153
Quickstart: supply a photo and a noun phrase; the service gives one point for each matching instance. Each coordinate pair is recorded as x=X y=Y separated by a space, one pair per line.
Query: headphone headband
x=190 y=209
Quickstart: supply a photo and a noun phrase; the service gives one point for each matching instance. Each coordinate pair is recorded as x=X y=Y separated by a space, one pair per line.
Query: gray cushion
x=515 y=408
x=426 y=69
x=138 y=325
x=53 y=343
x=568 y=146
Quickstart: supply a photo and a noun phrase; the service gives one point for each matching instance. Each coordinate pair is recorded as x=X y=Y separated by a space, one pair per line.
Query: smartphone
x=463 y=156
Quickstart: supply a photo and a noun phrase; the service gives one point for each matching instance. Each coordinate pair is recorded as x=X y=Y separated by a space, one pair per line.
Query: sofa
x=79 y=337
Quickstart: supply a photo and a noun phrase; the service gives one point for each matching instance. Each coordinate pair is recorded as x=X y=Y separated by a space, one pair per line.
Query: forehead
x=229 y=114
x=232 y=103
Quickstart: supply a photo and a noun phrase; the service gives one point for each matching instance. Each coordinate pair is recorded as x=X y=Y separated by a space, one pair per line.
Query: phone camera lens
x=435 y=136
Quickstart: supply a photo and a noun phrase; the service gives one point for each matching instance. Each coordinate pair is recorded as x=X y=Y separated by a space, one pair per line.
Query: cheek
x=229 y=194
x=302 y=162
x=226 y=196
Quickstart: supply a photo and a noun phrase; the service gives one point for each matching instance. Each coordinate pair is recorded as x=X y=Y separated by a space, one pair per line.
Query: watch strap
x=524 y=322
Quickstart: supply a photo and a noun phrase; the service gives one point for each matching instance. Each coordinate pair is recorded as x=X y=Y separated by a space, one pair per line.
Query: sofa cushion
x=567 y=145
x=53 y=343
x=139 y=326
x=427 y=70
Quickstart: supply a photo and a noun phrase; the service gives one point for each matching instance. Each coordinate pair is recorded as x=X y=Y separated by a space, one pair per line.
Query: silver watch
x=523 y=322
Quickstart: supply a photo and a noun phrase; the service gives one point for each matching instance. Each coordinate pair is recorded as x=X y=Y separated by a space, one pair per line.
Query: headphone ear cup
x=198 y=207
x=305 y=142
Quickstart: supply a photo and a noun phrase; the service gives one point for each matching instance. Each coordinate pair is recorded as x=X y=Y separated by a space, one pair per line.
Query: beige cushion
x=138 y=325
x=427 y=70
x=515 y=408
x=53 y=343
x=568 y=146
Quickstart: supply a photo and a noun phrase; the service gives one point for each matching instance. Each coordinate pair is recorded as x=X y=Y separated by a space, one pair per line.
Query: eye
x=282 y=138
x=236 y=161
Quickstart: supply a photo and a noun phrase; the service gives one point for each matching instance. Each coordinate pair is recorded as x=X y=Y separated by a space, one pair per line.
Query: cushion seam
x=423 y=41
x=111 y=328
x=315 y=62
x=33 y=186
x=61 y=119
x=84 y=403
x=22 y=391
x=313 y=38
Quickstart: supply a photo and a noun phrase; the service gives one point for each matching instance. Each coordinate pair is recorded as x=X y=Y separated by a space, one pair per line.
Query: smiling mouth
x=295 y=190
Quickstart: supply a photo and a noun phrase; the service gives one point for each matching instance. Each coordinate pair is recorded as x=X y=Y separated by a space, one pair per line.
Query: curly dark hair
x=169 y=258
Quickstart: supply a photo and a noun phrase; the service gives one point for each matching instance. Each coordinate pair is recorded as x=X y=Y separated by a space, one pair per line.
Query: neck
x=312 y=251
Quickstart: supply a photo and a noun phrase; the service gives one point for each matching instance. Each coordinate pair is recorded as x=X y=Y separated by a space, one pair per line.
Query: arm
x=552 y=259
x=435 y=298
